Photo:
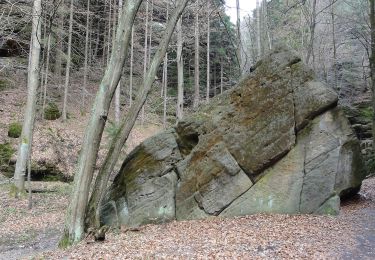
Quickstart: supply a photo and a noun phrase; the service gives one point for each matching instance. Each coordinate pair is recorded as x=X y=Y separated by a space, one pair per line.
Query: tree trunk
x=68 y=61
x=334 y=45
x=145 y=60
x=208 y=54
x=127 y=124
x=74 y=223
x=118 y=89
x=372 y=62
x=239 y=43
x=259 y=31
x=165 y=82
x=221 y=77
x=196 y=58
x=46 y=72
x=59 y=49
x=310 y=50
x=180 y=72
x=84 y=89
x=131 y=69
x=32 y=86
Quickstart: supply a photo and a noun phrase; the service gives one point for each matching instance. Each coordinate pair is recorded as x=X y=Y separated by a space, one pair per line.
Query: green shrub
x=15 y=130
x=367 y=113
x=6 y=152
x=51 y=112
x=3 y=84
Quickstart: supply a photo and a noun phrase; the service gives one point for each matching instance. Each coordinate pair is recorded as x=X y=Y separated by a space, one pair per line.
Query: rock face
x=275 y=143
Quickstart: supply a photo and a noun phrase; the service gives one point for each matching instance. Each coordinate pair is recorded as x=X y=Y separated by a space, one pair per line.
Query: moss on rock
x=15 y=130
x=51 y=112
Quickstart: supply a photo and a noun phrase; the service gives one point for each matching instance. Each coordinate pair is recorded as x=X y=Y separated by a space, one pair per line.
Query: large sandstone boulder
x=276 y=143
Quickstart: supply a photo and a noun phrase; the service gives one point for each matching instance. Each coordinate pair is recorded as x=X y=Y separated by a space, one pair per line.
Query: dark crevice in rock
x=248 y=174
x=315 y=114
x=304 y=172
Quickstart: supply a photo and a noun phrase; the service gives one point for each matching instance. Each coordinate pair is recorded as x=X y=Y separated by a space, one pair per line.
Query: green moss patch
x=3 y=84
x=51 y=112
x=15 y=130
x=6 y=152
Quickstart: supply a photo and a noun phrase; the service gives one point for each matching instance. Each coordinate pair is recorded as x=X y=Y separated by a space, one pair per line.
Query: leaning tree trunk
x=68 y=62
x=127 y=124
x=180 y=73
x=32 y=86
x=74 y=223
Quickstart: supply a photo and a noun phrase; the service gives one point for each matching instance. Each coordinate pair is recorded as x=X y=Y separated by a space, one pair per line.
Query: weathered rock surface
x=275 y=143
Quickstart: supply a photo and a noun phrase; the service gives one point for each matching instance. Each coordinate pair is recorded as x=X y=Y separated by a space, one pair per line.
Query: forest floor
x=34 y=234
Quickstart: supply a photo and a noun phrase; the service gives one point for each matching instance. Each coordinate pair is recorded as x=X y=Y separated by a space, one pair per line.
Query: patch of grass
x=51 y=112
x=14 y=130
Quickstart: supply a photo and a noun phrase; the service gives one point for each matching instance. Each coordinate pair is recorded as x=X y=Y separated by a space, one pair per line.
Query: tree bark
x=32 y=86
x=180 y=73
x=127 y=124
x=118 y=89
x=208 y=54
x=196 y=58
x=145 y=60
x=131 y=69
x=68 y=61
x=239 y=43
x=46 y=73
x=372 y=62
x=84 y=89
x=74 y=223
x=310 y=50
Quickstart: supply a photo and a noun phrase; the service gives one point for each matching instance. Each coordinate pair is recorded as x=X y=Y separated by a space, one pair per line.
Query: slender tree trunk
x=221 y=77
x=84 y=90
x=128 y=122
x=180 y=72
x=74 y=223
x=372 y=62
x=334 y=45
x=150 y=33
x=165 y=81
x=68 y=61
x=310 y=50
x=59 y=49
x=118 y=89
x=46 y=72
x=208 y=54
x=239 y=43
x=131 y=69
x=196 y=58
x=109 y=32
x=32 y=86
x=259 y=31
x=165 y=85
x=145 y=61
